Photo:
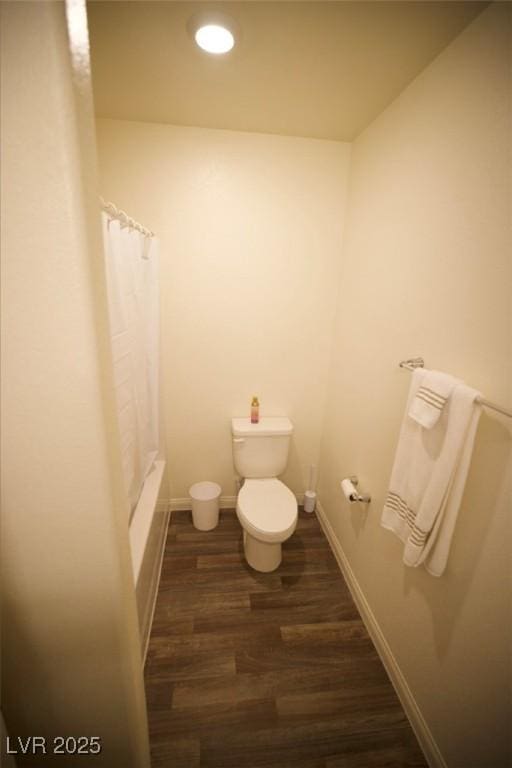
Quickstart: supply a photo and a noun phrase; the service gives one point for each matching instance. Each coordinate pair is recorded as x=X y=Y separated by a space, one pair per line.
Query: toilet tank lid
x=266 y=427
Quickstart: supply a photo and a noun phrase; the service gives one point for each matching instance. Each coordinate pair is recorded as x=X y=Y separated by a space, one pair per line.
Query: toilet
x=266 y=507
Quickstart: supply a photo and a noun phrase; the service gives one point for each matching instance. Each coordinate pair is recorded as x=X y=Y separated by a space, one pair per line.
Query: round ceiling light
x=214 y=38
x=214 y=31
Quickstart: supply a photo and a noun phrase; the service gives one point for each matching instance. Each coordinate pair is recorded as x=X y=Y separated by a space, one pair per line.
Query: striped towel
x=431 y=397
x=428 y=478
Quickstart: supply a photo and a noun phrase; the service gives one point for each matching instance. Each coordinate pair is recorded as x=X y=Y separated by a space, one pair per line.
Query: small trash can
x=205 y=505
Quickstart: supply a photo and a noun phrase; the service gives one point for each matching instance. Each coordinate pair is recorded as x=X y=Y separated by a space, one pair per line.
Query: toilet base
x=260 y=555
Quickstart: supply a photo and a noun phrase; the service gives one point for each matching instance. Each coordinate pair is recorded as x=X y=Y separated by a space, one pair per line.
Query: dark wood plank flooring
x=252 y=670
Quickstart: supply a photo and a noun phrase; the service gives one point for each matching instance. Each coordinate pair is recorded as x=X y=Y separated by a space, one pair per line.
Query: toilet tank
x=261 y=450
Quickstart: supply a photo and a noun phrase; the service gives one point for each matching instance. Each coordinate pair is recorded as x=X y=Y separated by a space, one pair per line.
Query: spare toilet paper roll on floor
x=348 y=488
x=309 y=501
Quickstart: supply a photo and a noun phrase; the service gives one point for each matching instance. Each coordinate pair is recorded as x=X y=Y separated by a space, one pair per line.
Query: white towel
x=431 y=397
x=428 y=478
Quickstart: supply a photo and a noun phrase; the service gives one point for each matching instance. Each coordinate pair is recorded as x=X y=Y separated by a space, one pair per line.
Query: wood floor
x=271 y=670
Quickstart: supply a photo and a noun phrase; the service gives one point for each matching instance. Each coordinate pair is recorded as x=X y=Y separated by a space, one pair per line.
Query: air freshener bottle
x=255 y=410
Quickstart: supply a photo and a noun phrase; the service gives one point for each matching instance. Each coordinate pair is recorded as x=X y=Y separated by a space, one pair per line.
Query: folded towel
x=431 y=396
x=428 y=478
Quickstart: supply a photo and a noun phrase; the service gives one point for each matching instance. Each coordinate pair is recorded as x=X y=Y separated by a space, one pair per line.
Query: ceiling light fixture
x=214 y=39
x=213 y=32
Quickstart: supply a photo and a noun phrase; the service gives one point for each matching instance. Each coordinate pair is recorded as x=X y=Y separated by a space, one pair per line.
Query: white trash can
x=205 y=505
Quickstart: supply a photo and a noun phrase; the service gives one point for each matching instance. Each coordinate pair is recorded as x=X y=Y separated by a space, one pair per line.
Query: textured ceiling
x=318 y=69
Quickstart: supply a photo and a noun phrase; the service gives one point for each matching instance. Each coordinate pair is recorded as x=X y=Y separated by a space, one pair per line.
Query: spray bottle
x=255 y=410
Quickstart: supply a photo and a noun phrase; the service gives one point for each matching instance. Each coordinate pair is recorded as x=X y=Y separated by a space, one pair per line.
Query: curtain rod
x=418 y=362
x=116 y=213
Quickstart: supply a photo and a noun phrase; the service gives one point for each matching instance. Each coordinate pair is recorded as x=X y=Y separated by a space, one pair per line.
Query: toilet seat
x=267 y=509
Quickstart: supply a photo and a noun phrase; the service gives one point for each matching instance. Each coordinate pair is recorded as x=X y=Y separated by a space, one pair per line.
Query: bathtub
x=148 y=528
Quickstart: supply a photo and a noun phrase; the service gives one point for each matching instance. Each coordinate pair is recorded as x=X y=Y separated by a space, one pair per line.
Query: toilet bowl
x=266 y=508
x=267 y=511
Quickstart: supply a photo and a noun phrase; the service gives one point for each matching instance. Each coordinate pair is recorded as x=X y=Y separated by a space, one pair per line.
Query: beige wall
x=70 y=649
x=250 y=230
x=427 y=270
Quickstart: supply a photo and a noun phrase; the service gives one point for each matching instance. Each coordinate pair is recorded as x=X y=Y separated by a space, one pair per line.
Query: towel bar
x=418 y=362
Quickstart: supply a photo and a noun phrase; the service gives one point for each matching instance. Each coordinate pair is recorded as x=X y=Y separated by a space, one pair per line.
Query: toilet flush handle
x=239 y=440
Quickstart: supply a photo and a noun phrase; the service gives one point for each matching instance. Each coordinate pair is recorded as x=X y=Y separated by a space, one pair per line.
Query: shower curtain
x=132 y=283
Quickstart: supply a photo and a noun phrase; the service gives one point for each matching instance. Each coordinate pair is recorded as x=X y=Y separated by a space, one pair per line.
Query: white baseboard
x=226 y=502
x=418 y=723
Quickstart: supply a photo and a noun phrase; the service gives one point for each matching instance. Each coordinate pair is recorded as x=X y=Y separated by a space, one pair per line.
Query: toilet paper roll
x=348 y=488
x=309 y=501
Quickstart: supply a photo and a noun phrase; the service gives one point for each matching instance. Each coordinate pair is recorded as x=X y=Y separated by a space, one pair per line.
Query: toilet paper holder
x=348 y=486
